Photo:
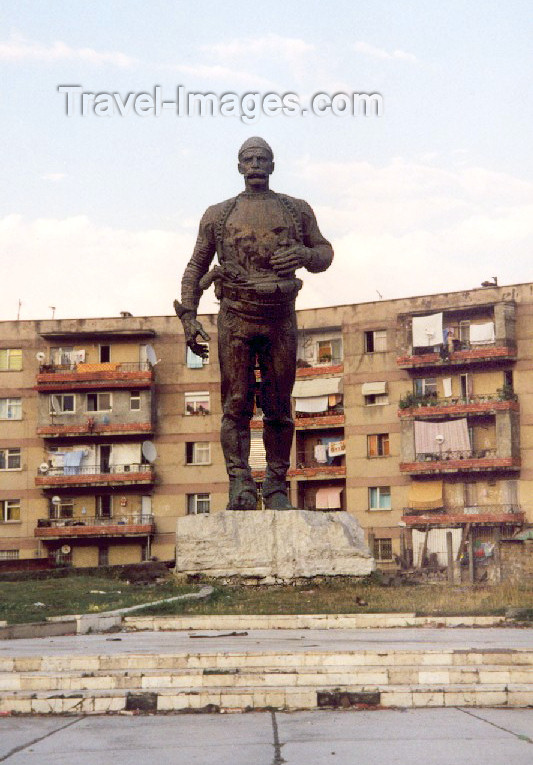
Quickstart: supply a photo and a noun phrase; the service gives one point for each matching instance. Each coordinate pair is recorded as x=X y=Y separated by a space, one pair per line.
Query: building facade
x=415 y=415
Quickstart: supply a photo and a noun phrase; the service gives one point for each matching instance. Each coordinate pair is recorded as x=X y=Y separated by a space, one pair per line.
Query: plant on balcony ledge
x=507 y=394
x=411 y=400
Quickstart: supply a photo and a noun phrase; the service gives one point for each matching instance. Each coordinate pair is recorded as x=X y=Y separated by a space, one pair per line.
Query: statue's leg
x=277 y=361
x=237 y=361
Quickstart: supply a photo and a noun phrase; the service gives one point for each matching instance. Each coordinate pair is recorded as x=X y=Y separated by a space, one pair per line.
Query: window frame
x=377 y=445
x=14 y=402
x=379 y=399
x=371 y=338
x=61 y=397
x=135 y=396
x=331 y=342
x=5 y=509
x=423 y=389
x=189 y=354
x=10 y=452
x=194 y=501
x=98 y=394
x=190 y=399
x=380 y=491
x=8 y=366
x=193 y=449
x=379 y=543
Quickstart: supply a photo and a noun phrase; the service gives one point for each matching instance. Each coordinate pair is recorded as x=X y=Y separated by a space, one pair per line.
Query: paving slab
x=258 y=641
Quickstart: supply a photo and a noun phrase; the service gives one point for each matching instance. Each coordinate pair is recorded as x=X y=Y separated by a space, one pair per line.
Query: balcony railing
x=449 y=455
x=132 y=467
x=133 y=519
x=303 y=460
x=412 y=401
x=111 y=366
x=468 y=510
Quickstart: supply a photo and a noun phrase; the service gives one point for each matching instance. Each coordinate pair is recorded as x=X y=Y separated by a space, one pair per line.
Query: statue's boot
x=235 y=440
x=277 y=437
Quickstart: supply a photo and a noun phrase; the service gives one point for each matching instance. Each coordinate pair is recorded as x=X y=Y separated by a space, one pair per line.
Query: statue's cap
x=255 y=143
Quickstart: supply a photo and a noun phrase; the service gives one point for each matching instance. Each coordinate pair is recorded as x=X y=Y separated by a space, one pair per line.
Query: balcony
x=134 y=525
x=333 y=367
x=460 y=346
x=460 y=516
x=95 y=475
x=61 y=377
x=309 y=467
x=437 y=408
x=428 y=463
x=90 y=428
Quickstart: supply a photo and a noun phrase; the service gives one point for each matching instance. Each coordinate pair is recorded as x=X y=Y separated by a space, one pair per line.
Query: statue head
x=256 y=163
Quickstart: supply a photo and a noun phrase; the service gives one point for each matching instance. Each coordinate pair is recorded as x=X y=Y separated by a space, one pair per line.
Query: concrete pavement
x=432 y=736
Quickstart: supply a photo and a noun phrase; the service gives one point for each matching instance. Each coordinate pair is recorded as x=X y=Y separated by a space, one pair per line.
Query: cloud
x=89 y=270
x=19 y=49
x=55 y=177
x=373 y=52
x=289 y=48
x=225 y=74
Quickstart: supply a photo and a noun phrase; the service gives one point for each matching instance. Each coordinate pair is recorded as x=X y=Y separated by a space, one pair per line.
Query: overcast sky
x=99 y=214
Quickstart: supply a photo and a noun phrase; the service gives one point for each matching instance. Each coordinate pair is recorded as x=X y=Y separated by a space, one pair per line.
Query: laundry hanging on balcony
x=482 y=334
x=427 y=330
x=328 y=498
x=72 y=462
x=425 y=495
x=313 y=396
x=442 y=437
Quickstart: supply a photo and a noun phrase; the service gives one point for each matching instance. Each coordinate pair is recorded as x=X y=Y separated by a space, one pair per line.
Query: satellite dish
x=40 y=356
x=149 y=451
x=66 y=549
x=56 y=500
x=43 y=467
x=439 y=439
x=151 y=356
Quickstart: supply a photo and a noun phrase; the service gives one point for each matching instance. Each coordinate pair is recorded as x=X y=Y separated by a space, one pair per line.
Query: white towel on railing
x=482 y=333
x=447 y=386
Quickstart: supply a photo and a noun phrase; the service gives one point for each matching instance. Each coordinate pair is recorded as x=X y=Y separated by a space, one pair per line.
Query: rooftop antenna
x=493 y=283
x=379 y=295
x=53 y=309
x=18 y=312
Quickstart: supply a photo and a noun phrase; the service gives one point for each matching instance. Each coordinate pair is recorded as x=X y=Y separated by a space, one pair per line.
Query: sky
x=99 y=212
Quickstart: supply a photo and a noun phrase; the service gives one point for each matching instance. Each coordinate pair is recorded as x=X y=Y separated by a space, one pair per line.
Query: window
x=135 y=401
x=197 y=403
x=104 y=506
x=9 y=510
x=9 y=459
x=198 y=503
x=329 y=351
x=375 y=399
x=105 y=354
x=10 y=409
x=63 y=509
x=508 y=379
x=198 y=452
x=9 y=554
x=425 y=386
x=464 y=332
x=99 y=402
x=62 y=403
x=10 y=359
x=378 y=445
x=383 y=549
x=376 y=341
x=379 y=498
x=103 y=555
x=197 y=362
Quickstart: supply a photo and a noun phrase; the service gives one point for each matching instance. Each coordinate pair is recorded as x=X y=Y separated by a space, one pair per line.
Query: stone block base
x=272 y=545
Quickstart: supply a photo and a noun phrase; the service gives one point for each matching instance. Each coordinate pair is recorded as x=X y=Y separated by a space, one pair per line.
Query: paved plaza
x=431 y=736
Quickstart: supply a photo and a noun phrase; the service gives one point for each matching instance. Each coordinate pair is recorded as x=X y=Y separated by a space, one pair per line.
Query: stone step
x=281 y=698
x=273 y=661
x=261 y=677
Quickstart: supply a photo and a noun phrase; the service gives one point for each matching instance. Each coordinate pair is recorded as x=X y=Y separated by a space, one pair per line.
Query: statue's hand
x=192 y=329
x=285 y=261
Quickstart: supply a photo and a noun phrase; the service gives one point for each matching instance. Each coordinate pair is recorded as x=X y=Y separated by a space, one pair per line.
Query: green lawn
x=91 y=594
x=76 y=595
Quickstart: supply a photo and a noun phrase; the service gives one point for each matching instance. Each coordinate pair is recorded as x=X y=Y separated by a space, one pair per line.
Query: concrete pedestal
x=272 y=545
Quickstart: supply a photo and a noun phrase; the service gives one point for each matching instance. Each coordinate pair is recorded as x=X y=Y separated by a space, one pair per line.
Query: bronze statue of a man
x=261 y=238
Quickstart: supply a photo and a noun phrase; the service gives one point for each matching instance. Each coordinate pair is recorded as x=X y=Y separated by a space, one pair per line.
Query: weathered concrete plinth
x=272 y=545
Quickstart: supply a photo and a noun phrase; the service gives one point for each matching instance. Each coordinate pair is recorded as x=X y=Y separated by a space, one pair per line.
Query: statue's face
x=256 y=165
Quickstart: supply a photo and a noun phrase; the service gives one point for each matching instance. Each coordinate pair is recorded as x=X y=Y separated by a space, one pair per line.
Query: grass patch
x=345 y=598
x=77 y=595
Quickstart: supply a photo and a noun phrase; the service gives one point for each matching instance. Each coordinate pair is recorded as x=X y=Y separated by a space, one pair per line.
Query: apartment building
x=415 y=415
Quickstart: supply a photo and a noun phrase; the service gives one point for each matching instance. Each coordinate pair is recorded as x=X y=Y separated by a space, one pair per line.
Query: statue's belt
x=276 y=292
